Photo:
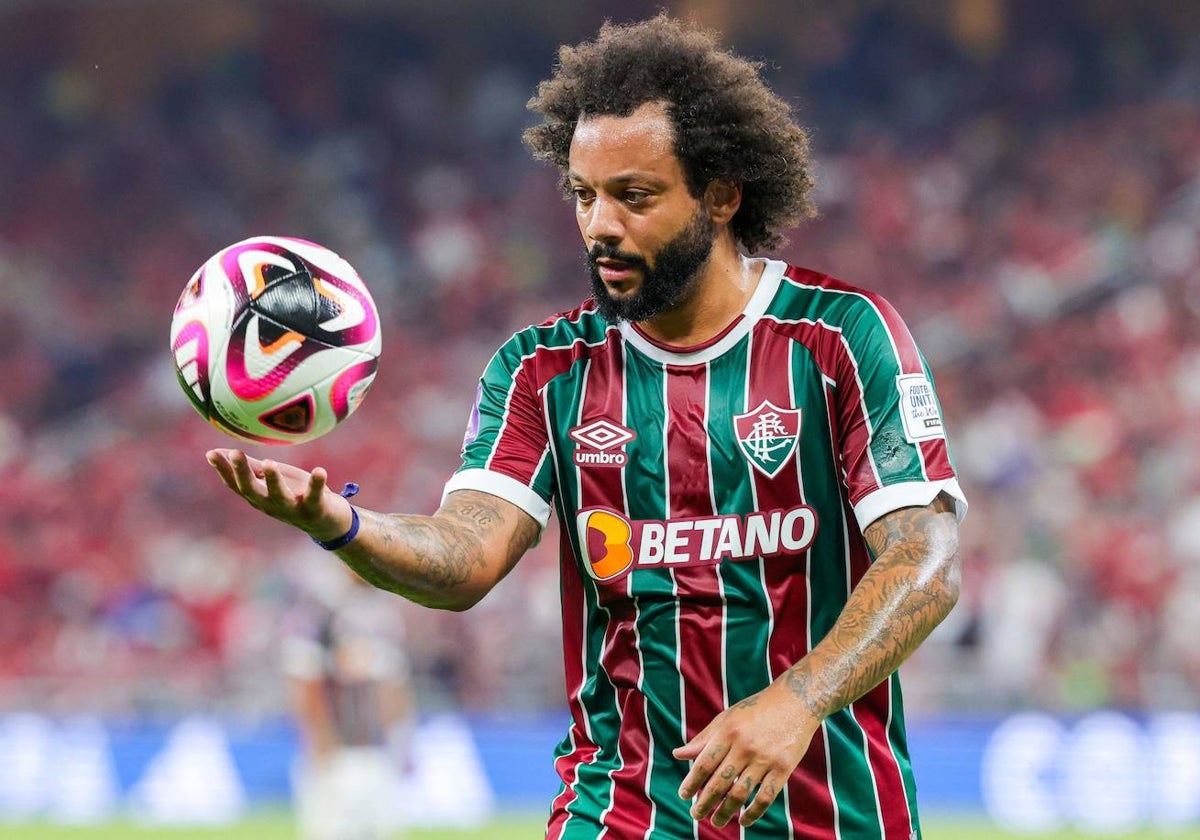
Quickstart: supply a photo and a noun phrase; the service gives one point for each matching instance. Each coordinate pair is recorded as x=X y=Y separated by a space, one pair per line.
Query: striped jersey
x=712 y=501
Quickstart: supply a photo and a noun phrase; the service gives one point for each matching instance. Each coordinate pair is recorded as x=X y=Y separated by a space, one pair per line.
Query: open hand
x=285 y=492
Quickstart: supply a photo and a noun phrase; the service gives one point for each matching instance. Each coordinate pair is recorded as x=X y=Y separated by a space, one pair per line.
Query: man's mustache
x=610 y=252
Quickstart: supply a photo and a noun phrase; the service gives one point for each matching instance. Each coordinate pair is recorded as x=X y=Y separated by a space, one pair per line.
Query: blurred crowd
x=1021 y=179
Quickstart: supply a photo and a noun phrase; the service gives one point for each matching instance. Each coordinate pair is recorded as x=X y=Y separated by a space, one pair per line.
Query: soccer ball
x=275 y=340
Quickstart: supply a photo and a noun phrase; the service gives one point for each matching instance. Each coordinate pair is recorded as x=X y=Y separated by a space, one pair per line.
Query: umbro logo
x=600 y=443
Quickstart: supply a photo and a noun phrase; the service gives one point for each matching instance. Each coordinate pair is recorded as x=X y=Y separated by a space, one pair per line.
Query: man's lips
x=616 y=271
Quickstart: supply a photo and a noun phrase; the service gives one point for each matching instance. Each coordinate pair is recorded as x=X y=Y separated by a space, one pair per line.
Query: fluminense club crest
x=768 y=436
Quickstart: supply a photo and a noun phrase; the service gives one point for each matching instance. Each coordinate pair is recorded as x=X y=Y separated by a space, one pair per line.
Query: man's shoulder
x=819 y=294
x=559 y=340
x=800 y=278
x=572 y=318
x=583 y=324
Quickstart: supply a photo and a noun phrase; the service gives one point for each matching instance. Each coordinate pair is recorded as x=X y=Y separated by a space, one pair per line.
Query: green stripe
x=496 y=383
x=656 y=628
x=733 y=482
x=898 y=740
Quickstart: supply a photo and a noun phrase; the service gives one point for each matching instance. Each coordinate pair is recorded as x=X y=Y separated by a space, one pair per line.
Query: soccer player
x=759 y=513
x=348 y=679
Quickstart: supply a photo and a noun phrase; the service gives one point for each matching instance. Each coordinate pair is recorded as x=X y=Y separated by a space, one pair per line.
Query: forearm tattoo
x=909 y=589
x=423 y=558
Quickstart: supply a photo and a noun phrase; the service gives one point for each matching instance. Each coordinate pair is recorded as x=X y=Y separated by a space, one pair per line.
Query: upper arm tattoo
x=904 y=524
x=484 y=517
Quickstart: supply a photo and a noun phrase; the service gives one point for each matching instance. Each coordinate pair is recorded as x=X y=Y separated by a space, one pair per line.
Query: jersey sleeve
x=891 y=434
x=506 y=447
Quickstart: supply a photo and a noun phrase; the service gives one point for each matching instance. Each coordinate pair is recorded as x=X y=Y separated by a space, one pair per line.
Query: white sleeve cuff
x=907 y=494
x=501 y=486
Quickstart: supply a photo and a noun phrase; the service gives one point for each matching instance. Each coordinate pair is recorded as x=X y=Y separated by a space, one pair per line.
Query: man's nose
x=604 y=222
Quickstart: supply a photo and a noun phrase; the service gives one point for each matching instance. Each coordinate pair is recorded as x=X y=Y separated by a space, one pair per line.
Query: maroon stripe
x=809 y=797
x=567 y=766
x=603 y=399
x=871 y=711
x=701 y=616
x=630 y=811
x=522 y=439
x=519 y=446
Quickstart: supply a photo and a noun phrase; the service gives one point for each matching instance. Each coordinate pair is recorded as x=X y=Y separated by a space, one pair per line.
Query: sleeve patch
x=919 y=408
x=473 y=422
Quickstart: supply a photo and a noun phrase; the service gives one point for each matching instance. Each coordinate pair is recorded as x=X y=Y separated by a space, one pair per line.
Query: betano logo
x=612 y=544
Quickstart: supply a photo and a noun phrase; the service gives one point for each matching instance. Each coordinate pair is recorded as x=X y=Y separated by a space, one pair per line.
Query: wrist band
x=333 y=545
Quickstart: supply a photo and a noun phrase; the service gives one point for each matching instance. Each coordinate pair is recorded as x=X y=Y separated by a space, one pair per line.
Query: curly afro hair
x=728 y=123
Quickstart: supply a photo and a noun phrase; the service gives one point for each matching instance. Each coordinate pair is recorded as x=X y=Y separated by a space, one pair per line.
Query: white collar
x=768 y=284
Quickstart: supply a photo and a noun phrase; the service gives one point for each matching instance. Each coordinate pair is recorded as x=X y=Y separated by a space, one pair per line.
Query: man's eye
x=581 y=194
x=635 y=196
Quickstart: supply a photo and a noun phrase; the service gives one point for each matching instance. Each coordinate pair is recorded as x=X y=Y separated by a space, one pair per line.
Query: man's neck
x=726 y=284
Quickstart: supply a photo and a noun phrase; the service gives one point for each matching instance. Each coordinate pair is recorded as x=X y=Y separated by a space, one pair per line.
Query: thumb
x=689 y=750
x=694 y=747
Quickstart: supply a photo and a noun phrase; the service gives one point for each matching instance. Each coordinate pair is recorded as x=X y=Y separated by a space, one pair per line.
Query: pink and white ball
x=275 y=340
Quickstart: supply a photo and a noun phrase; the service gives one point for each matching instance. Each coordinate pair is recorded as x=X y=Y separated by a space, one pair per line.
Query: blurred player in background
x=747 y=458
x=351 y=697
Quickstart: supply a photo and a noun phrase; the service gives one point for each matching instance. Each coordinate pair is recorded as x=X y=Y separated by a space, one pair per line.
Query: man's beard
x=670 y=283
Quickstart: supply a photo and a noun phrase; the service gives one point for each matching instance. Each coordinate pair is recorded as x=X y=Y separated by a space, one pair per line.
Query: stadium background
x=1021 y=178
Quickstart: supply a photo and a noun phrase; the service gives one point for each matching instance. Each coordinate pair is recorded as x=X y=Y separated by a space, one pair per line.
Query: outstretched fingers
x=277 y=491
x=316 y=488
x=244 y=479
x=299 y=496
x=218 y=459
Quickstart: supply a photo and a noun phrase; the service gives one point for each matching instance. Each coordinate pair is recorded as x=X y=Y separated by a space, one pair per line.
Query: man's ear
x=722 y=198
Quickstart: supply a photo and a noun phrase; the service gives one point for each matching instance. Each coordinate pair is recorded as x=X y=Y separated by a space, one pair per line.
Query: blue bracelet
x=333 y=545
